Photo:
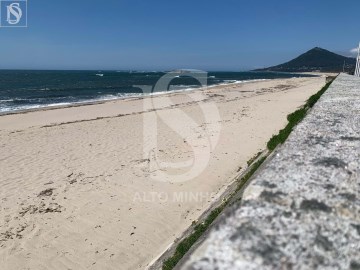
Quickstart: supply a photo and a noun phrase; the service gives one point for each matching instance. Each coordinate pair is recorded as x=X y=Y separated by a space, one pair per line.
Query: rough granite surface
x=302 y=210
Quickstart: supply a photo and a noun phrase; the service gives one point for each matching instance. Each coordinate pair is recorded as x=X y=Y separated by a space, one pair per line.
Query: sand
x=77 y=191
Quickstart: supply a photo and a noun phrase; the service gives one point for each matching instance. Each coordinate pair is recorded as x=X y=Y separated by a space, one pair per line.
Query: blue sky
x=157 y=35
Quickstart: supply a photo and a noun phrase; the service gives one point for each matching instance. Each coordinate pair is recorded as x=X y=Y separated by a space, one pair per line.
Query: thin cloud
x=354 y=51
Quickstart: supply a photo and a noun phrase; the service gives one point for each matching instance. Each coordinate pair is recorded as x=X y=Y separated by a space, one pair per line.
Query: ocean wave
x=18 y=108
x=6 y=100
x=44 y=102
x=182 y=87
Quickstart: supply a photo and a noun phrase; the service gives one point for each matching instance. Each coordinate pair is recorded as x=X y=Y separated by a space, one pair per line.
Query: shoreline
x=142 y=96
x=130 y=97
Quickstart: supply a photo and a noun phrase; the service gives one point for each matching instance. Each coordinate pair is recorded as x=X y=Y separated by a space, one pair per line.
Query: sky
x=227 y=35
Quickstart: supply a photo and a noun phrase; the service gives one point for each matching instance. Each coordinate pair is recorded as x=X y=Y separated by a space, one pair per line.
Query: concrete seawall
x=302 y=209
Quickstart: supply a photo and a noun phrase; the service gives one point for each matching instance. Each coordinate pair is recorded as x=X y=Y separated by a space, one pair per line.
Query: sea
x=31 y=89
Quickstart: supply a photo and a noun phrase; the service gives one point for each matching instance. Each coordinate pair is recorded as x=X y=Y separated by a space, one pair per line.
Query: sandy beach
x=77 y=192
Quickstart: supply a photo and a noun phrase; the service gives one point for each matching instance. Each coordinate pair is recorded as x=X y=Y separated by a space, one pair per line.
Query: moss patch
x=295 y=118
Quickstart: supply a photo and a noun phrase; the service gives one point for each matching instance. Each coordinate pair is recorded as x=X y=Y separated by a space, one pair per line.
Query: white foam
x=117 y=96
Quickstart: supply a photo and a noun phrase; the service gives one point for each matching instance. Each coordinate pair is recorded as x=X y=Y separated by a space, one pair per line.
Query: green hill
x=316 y=59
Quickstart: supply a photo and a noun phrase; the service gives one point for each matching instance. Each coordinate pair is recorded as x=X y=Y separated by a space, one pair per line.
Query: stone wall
x=302 y=209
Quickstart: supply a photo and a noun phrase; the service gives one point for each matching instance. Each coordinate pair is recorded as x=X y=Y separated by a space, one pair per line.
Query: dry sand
x=77 y=193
